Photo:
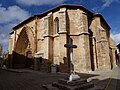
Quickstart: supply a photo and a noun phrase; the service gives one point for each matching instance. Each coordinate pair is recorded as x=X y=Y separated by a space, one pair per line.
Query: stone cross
x=70 y=46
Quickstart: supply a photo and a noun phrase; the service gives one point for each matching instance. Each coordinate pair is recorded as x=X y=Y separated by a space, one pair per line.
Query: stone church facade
x=45 y=34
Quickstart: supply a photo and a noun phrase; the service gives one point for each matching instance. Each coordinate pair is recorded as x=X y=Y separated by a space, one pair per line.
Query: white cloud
x=39 y=2
x=4 y=35
x=9 y=17
x=4 y=41
x=12 y=13
x=4 y=38
x=106 y=3
x=116 y=38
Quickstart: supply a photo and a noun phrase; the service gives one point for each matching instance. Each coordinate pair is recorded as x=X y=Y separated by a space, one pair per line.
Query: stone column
x=9 y=61
x=114 y=58
x=47 y=38
x=102 y=49
x=103 y=55
x=10 y=45
x=95 y=54
x=14 y=40
x=46 y=26
x=63 y=40
x=47 y=34
x=85 y=63
x=35 y=38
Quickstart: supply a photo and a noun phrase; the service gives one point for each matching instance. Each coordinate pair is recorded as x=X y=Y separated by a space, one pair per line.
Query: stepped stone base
x=65 y=84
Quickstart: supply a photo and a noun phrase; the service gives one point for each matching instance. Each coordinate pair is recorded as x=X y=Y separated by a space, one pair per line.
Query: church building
x=39 y=41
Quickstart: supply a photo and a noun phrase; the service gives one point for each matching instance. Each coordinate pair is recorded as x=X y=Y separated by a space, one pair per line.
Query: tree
x=0 y=50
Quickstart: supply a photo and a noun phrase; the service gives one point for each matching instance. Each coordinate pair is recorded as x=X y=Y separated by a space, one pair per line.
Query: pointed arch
x=25 y=41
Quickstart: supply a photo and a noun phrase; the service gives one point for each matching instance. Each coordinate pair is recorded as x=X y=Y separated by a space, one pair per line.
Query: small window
x=56 y=25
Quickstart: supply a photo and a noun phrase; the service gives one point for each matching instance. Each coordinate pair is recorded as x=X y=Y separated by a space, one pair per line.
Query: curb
x=16 y=71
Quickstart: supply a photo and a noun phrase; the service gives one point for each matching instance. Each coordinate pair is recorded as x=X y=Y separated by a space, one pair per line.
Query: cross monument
x=70 y=46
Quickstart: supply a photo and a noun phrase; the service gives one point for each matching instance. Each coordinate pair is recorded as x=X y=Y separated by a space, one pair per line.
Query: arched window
x=56 y=25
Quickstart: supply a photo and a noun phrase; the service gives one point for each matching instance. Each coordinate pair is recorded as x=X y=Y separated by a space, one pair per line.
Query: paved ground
x=25 y=79
x=108 y=79
x=114 y=81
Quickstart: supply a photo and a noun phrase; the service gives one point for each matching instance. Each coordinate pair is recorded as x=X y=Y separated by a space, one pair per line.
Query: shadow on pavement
x=35 y=80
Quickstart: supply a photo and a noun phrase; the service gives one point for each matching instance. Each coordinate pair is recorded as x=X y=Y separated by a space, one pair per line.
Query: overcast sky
x=13 y=12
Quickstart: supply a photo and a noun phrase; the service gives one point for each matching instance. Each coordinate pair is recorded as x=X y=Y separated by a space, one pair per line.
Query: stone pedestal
x=65 y=84
x=73 y=77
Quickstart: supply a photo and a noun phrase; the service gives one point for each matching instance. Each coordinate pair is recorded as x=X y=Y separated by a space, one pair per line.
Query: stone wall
x=48 y=36
x=78 y=22
x=101 y=35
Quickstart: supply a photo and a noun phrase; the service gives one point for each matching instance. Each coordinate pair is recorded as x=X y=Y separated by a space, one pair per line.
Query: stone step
x=76 y=87
x=72 y=83
x=50 y=87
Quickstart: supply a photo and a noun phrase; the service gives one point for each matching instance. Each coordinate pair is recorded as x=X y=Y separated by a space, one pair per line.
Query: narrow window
x=56 y=25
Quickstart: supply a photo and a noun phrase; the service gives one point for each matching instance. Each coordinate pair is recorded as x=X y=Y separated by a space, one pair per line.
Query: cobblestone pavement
x=26 y=79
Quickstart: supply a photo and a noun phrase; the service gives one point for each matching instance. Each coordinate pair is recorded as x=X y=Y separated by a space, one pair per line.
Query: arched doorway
x=29 y=59
x=23 y=49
